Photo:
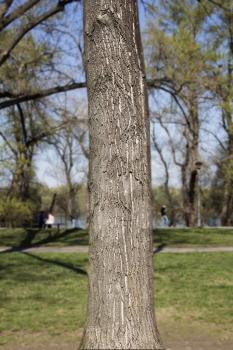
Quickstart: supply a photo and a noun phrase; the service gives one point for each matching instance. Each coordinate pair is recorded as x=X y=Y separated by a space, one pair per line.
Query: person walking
x=164 y=218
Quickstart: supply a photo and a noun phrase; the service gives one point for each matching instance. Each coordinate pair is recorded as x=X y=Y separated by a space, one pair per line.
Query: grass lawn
x=189 y=237
x=52 y=237
x=42 y=293
x=171 y=237
x=46 y=294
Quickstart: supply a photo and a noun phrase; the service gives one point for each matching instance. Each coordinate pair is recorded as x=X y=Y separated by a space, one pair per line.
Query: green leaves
x=14 y=212
x=25 y=62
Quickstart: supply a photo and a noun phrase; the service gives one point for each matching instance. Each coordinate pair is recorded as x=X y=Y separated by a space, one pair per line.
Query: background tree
x=70 y=146
x=169 y=195
x=179 y=66
x=22 y=19
x=220 y=34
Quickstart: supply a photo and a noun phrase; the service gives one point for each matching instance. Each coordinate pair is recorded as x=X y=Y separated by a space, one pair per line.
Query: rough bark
x=226 y=214
x=120 y=306
x=23 y=151
x=189 y=169
x=23 y=173
x=227 y=209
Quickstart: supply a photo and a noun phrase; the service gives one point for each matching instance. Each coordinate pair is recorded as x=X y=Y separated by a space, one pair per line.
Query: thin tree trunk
x=189 y=168
x=166 y=179
x=21 y=181
x=120 y=305
x=227 y=209
x=226 y=214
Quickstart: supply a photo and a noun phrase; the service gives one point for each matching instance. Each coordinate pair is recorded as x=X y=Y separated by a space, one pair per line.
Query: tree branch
x=39 y=94
x=80 y=139
x=154 y=84
x=32 y=24
x=159 y=150
x=35 y=139
x=173 y=149
x=4 y=7
x=22 y=122
x=17 y=13
x=221 y=144
x=18 y=98
x=218 y=4
x=8 y=144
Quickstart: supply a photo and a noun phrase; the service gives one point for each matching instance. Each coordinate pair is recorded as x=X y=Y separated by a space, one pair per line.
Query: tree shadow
x=159 y=248
x=71 y=267
x=52 y=237
x=30 y=236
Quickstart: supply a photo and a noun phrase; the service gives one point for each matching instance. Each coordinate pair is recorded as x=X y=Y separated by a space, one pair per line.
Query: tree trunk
x=193 y=198
x=189 y=169
x=120 y=306
x=190 y=197
x=167 y=191
x=22 y=177
x=227 y=209
x=226 y=214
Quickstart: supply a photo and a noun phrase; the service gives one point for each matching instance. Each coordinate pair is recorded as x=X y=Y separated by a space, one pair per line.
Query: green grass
x=172 y=237
x=42 y=293
x=47 y=293
x=198 y=287
x=188 y=237
x=52 y=237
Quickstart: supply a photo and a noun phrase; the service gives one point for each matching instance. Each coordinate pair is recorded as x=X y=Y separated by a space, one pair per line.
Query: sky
x=46 y=161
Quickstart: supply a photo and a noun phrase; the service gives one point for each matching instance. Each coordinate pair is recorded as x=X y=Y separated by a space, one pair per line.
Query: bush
x=15 y=213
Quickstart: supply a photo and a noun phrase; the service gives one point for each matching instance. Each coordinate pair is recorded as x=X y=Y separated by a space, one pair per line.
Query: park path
x=84 y=249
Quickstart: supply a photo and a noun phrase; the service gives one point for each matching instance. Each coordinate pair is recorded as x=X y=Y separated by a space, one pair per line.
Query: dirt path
x=84 y=249
x=207 y=344
x=176 y=346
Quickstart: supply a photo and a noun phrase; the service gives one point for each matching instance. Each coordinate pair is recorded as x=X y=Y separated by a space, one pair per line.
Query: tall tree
x=220 y=31
x=120 y=306
x=178 y=65
x=23 y=129
x=71 y=151
x=24 y=126
x=166 y=177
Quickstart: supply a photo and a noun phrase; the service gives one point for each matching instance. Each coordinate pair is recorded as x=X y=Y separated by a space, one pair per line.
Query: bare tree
x=70 y=147
x=164 y=162
x=180 y=69
x=25 y=17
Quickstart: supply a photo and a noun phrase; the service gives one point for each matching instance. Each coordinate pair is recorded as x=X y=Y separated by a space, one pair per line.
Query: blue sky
x=47 y=161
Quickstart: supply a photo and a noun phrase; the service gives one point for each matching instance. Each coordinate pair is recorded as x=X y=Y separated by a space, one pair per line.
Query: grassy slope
x=168 y=237
x=47 y=293
x=191 y=237
x=53 y=237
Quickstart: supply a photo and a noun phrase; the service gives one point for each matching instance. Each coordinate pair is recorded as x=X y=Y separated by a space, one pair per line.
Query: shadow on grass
x=36 y=237
x=27 y=267
x=177 y=237
x=30 y=236
x=159 y=248
x=71 y=267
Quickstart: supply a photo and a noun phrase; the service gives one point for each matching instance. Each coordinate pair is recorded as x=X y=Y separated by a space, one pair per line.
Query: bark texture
x=226 y=214
x=120 y=306
x=227 y=209
x=189 y=170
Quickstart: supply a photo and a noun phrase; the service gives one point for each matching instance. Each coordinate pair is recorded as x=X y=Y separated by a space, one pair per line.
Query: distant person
x=50 y=220
x=164 y=218
x=41 y=219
